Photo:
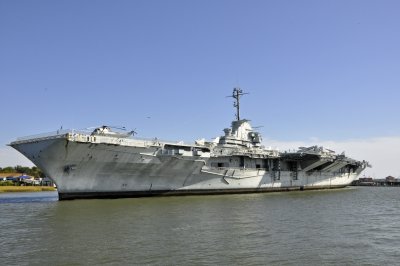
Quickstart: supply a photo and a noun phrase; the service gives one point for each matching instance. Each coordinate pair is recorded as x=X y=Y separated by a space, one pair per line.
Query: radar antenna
x=237 y=92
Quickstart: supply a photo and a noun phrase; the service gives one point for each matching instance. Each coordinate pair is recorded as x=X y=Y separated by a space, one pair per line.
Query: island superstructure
x=104 y=163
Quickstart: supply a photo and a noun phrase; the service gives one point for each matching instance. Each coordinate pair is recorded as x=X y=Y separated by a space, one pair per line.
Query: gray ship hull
x=83 y=167
x=108 y=164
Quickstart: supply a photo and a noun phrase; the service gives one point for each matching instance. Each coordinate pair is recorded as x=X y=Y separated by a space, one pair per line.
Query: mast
x=237 y=92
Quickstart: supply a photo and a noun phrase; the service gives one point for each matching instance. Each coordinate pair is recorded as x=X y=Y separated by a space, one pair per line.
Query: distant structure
x=369 y=181
x=8 y=176
x=19 y=179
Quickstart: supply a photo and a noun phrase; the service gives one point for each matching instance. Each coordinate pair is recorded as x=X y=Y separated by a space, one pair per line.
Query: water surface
x=353 y=226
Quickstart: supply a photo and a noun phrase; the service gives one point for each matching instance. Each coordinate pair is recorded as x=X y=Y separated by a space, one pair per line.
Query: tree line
x=32 y=171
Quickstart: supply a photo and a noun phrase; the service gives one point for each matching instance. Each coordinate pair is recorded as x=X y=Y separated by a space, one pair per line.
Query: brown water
x=354 y=226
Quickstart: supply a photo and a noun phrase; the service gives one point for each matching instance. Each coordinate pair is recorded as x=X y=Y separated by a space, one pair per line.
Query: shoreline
x=5 y=189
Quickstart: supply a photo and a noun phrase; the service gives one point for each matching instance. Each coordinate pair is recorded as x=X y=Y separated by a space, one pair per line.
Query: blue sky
x=315 y=70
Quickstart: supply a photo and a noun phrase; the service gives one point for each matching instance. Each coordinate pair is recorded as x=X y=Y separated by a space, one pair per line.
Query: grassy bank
x=25 y=189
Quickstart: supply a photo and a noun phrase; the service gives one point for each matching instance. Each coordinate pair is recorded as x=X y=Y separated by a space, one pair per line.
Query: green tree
x=8 y=169
x=34 y=171
x=22 y=169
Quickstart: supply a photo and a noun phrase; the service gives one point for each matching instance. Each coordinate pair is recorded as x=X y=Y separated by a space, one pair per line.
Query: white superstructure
x=103 y=163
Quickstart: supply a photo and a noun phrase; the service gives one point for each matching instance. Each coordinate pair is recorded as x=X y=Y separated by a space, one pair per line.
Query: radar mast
x=237 y=92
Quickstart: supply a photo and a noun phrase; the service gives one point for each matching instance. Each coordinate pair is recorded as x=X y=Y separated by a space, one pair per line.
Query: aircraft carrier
x=105 y=163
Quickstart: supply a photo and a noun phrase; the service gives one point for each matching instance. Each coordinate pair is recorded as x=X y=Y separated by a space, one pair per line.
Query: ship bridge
x=241 y=133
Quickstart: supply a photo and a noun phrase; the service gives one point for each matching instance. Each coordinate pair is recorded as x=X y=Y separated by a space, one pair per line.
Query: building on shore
x=9 y=176
x=19 y=179
x=369 y=181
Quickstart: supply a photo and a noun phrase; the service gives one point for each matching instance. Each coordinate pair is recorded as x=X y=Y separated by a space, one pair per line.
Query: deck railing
x=87 y=132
